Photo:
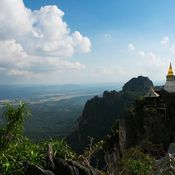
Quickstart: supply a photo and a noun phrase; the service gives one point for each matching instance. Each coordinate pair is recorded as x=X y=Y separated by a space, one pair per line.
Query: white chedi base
x=170 y=86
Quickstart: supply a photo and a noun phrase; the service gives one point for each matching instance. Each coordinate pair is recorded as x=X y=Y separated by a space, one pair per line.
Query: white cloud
x=23 y=73
x=36 y=42
x=165 y=40
x=81 y=44
x=41 y=32
x=15 y=19
x=14 y=61
x=131 y=47
x=10 y=48
x=155 y=66
x=12 y=54
x=107 y=73
x=141 y=53
x=150 y=63
x=111 y=71
x=135 y=51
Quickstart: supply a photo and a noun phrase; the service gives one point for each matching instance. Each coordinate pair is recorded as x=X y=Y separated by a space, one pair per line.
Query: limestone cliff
x=100 y=113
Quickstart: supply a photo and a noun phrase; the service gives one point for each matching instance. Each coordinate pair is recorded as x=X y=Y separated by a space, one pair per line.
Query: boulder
x=72 y=168
x=59 y=166
x=171 y=148
x=31 y=169
x=166 y=165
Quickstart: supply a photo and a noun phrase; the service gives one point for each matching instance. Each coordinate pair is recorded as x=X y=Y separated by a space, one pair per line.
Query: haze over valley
x=55 y=108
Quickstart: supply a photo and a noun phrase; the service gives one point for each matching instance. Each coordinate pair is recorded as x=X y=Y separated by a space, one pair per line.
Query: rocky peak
x=139 y=84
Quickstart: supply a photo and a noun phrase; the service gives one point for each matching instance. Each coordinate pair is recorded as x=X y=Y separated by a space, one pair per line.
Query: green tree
x=14 y=116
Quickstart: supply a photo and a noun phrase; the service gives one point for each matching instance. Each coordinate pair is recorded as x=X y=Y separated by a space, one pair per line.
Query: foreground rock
x=113 y=148
x=31 y=169
x=61 y=168
x=58 y=166
x=166 y=165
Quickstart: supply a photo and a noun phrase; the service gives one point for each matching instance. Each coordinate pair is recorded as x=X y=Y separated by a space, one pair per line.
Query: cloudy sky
x=94 y=41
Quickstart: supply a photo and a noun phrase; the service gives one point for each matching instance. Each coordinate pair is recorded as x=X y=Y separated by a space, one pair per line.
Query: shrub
x=135 y=162
x=12 y=158
x=14 y=116
x=60 y=149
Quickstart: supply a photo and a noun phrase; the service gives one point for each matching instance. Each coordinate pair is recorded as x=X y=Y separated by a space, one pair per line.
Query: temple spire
x=170 y=81
x=170 y=71
x=170 y=75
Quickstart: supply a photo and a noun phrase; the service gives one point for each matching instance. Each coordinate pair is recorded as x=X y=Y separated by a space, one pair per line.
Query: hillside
x=53 y=119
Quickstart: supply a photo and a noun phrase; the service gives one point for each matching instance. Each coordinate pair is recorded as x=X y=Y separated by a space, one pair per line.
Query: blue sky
x=94 y=16
x=101 y=41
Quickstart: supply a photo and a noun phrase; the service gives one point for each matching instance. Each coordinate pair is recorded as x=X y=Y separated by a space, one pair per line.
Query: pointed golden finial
x=170 y=70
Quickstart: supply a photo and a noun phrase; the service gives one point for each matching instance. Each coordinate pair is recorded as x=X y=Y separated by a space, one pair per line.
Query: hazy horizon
x=121 y=83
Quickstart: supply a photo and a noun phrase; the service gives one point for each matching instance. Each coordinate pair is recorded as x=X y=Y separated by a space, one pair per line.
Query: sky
x=82 y=42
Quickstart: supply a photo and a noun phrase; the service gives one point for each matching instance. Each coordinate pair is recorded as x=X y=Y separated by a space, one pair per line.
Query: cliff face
x=100 y=113
x=155 y=123
x=149 y=124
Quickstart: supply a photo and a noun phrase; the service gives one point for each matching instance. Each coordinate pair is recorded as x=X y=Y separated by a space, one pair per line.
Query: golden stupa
x=170 y=81
x=170 y=71
x=170 y=75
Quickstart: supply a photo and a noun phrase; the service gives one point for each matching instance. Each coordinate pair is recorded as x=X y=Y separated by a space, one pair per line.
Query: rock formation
x=58 y=166
x=100 y=113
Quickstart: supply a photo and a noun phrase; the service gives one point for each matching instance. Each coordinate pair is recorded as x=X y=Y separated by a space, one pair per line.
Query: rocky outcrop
x=59 y=166
x=31 y=169
x=171 y=148
x=73 y=168
x=138 y=85
x=114 y=145
x=166 y=165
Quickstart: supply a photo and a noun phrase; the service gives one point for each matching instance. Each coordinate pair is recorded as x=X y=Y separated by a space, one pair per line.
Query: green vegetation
x=135 y=162
x=16 y=149
x=14 y=122
x=12 y=158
